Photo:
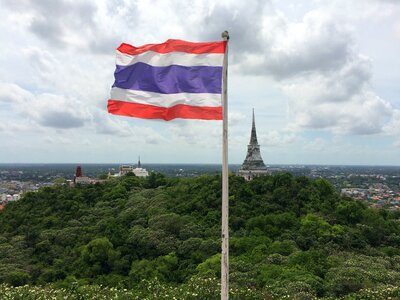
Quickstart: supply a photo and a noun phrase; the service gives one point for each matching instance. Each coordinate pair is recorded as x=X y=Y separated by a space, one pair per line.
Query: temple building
x=138 y=171
x=80 y=179
x=253 y=164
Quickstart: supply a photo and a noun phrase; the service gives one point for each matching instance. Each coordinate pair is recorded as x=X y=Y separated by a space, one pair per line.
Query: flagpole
x=225 y=188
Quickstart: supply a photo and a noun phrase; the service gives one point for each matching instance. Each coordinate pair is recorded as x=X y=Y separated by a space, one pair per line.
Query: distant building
x=138 y=171
x=253 y=164
x=5 y=198
x=78 y=172
x=80 y=179
x=125 y=169
x=83 y=180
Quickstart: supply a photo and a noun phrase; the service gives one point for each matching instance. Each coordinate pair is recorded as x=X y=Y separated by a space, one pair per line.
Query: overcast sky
x=322 y=76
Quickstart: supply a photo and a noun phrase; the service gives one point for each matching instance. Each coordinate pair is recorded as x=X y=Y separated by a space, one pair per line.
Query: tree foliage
x=289 y=235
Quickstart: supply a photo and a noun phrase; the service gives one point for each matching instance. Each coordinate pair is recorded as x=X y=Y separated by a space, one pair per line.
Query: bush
x=17 y=278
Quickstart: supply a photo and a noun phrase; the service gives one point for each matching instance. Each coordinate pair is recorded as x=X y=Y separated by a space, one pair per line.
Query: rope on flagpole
x=225 y=187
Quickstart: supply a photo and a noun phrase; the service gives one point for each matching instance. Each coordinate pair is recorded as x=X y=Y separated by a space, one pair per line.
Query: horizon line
x=188 y=163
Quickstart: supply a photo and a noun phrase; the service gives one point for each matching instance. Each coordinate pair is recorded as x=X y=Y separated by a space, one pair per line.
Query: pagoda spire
x=139 y=164
x=253 y=164
x=253 y=137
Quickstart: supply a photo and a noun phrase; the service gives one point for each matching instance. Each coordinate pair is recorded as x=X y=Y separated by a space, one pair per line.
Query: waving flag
x=175 y=79
x=178 y=79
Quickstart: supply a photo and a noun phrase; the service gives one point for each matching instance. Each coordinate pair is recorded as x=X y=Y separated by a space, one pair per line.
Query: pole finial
x=225 y=35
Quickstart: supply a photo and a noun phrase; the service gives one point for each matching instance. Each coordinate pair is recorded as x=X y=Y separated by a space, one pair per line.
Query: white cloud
x=397 y=30
x=44 y=65
x=341 y=101
x=13 y=94
x=275 y=138
x=57 y=60
x=45 y=109
x=362 y=114
x=57 y=112
x=117 y=126
x=235 y=118
x=316 y=62
x=320 y=69
x=57 y=22
x=393 y=127
x=201 y=133
x=316 y=145
x=316 y=44
x=106 y=124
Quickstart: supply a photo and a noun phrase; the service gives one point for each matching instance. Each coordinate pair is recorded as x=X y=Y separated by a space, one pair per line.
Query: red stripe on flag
x=146 y=111
x=175 y=46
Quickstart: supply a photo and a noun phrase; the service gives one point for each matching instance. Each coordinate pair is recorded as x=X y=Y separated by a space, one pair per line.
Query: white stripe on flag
x=173 y=58
x=166 y=100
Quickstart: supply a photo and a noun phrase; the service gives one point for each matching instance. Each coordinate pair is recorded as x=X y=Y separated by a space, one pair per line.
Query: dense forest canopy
x=289 y=236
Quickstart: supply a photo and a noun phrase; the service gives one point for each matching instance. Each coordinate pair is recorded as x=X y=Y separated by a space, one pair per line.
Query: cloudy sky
x=322 y=76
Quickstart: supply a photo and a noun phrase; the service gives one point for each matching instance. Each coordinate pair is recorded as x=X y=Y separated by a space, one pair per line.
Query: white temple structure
x=253 y=164
x=138 y=171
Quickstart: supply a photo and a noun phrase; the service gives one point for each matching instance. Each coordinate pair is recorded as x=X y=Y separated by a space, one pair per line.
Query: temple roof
x=253 y=160
x=253 y=137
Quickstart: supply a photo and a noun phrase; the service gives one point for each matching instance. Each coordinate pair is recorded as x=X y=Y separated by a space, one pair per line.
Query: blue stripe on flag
x=169 y=80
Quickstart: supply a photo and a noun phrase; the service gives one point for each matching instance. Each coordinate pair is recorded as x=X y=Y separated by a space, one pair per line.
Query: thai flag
x=175 y=79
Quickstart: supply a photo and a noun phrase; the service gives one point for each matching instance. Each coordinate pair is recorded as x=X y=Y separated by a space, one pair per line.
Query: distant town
x=377 y=186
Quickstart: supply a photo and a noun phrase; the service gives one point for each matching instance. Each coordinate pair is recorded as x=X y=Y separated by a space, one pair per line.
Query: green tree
x=98 y=257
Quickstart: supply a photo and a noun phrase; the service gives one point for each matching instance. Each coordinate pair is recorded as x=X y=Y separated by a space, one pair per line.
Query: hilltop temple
x=80 y=179
x=138 y=171
x=253 y=164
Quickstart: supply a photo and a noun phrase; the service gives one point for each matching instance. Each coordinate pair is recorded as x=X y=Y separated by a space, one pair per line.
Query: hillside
x=289 y=236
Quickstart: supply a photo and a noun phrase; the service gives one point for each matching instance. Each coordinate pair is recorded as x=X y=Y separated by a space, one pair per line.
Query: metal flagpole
x=225 y=189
